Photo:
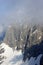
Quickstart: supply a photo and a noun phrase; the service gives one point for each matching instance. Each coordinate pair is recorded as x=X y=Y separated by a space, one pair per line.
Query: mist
x=19 y=11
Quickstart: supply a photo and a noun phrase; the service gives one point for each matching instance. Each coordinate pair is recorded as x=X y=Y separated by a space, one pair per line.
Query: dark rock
x=33 y=51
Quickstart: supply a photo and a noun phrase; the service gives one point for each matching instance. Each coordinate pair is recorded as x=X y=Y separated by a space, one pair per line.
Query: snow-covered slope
x=15 y=57
x=8 y=51
x=7 y=54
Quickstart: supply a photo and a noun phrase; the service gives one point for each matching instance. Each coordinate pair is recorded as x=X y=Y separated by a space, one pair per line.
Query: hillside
x=15 y=57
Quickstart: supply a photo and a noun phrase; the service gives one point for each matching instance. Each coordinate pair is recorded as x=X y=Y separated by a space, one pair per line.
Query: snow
x=15 y=57
x=8 y=51
x=15 y=47
x=38 y=59
x=40 y=37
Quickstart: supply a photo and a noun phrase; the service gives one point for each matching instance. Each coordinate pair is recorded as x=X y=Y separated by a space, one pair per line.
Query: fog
x=20 y=11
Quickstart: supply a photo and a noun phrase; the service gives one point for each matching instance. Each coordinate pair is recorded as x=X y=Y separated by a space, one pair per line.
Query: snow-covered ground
x=15 y=57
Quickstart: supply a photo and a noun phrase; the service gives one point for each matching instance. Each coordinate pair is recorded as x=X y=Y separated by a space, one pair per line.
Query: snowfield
x=15 y=57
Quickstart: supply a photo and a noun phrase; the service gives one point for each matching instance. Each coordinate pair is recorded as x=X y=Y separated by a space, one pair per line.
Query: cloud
x=18 y=10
